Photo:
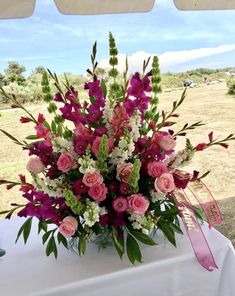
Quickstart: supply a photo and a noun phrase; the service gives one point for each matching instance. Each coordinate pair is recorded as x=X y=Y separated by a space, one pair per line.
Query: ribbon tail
x=207 y=202
x=194 y=231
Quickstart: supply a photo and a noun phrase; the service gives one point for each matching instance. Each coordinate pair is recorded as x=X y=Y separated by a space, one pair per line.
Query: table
x=166 y=271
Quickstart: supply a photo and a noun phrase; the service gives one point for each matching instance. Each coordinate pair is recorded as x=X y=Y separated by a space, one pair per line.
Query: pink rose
x=120 y=204
x=167 y=143
x=68 y=226
x=124 y=171
x=138 y=204
x=66 y=162
x=96 y=144
x=156 y=169
x=93 y=178
x=98 y=192
x=35 y=165
x=165 y=183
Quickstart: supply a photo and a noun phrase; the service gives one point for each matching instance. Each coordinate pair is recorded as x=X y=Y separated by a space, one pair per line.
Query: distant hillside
x=200 y=76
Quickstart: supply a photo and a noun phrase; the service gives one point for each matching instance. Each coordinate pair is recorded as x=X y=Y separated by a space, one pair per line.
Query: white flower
x=156 y=196
x=107 y=116
x=141 y=222
x=60 y=145
x=87 y=165
x=92 y=214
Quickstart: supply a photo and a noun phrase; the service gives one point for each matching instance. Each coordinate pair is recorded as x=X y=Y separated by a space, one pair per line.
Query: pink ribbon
x=194 y=231
x=206 y=202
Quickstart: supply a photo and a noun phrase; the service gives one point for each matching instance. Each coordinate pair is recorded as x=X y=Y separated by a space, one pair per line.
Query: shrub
x=231 y=86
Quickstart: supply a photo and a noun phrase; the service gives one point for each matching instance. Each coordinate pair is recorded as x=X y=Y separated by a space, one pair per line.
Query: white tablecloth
x=165 y=271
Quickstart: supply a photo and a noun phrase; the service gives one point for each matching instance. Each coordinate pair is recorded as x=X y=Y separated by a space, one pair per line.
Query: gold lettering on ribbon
x=185 y=212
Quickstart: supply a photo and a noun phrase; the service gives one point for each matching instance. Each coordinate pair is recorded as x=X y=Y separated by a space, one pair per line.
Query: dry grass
x=208 y=103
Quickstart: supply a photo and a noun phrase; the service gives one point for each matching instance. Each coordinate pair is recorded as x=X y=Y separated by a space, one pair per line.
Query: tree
x=1 y=79
x=14 y=73
x=39 y=70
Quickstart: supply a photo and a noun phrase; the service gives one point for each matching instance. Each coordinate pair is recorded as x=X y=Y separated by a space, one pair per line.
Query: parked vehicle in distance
x=189 y=83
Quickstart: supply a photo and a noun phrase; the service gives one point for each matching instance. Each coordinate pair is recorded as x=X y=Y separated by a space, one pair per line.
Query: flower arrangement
x=106 y=169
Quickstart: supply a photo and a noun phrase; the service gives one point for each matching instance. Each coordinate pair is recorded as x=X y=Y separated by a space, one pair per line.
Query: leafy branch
x=186 y=127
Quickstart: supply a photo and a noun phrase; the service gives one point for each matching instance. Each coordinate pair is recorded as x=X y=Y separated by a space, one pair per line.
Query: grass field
x=209 y=103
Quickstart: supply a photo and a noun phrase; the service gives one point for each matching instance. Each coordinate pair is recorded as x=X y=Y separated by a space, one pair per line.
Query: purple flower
x=130 y=106
x=95 y=89
x=66 y=111
x=94 y=113
x=100 y=131
x=139 y=86
x=58 y=97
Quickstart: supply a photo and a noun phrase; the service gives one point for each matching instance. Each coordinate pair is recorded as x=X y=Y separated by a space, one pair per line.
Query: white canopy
x=25 y=8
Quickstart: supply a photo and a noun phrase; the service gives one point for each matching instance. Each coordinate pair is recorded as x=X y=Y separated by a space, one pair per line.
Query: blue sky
x=183 y=40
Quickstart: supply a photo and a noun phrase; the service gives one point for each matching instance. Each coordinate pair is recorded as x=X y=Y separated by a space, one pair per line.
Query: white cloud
x=168 y=59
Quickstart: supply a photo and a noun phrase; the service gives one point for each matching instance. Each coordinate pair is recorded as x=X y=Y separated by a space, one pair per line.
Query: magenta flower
x=120 y=204
x=80 y=146
x=139 y=86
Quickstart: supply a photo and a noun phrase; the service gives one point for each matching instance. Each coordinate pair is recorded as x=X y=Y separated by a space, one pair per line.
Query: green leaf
x=167 y=230
x=82 y=246
x=2 y=252
x=199 y=213
x=47 y=125
x=176 y=228
x=62 y=239
x=133 y=250
x=31 y=137
x=42 y=225
x=104 y=88
x=143 y=238
x=46 y=236
x=60 y=130
x=25 y=229
x=53 y=126
x=51 y=247
x=118 y=243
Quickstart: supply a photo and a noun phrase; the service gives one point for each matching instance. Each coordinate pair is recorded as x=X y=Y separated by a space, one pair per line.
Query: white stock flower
x=156 y=196
x=87 y=165
x=92 y=214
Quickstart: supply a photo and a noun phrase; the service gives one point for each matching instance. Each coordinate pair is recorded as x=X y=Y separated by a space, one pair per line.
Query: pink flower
x=120 y=204
x=42 y=131
x=66 y=162
x=124 y=171
x=81 y=131
x=165 y=183
x=156 y=169
x=96 y=144
x=98 y=192
x=138 y=204
x=35 y=165
x=165 y=141
x=68 y=226
x=93 y=178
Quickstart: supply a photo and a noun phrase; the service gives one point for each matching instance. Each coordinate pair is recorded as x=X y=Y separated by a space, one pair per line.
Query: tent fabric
x=204 y=4
x=103 y=6
x=16 y=8
x=25 y=8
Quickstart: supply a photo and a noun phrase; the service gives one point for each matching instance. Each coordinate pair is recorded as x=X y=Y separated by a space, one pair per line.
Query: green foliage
x=13 y=73
x=25 y=230
x=76 y=206
x=135 y=175
x=46 y=88
x=133 y=249
x=103 y=154
x=231 y=86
